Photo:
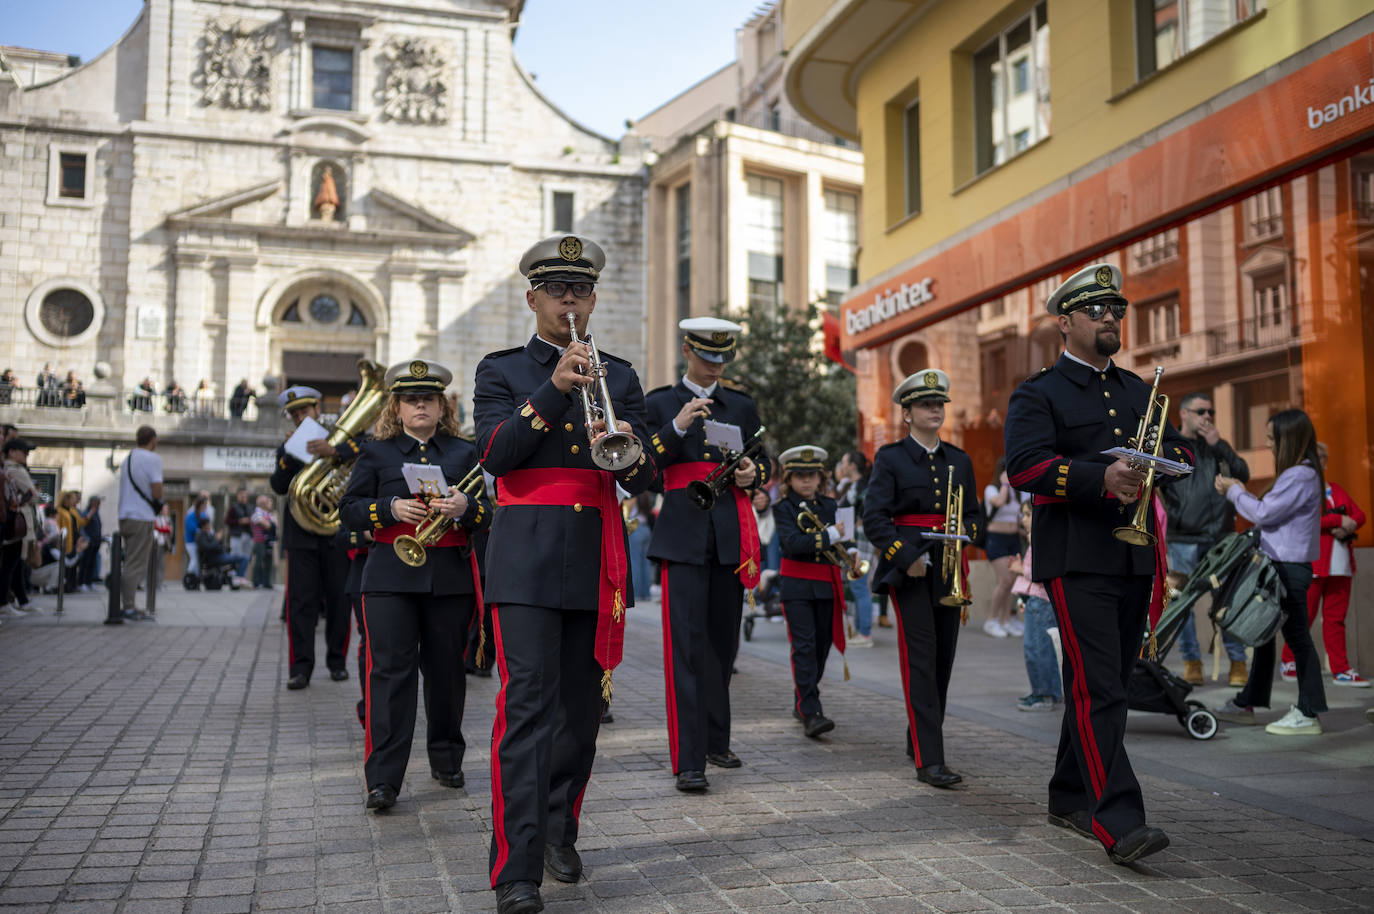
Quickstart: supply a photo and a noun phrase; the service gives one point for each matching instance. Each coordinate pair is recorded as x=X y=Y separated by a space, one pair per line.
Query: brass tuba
x=316 y=490
x=953 y=558
x=1149 y=438
x=411 y=549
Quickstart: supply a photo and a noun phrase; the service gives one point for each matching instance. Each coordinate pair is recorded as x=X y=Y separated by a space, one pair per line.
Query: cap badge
x=1103 y=276
x=932 y=379
x=719 y=336
x=808 y=454
x=418 y=369
x=570 y=248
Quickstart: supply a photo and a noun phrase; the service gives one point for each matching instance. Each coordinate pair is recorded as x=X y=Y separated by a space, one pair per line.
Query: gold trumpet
x=1149 y=439
x=854 y=567
x=953 y=558
x=411 y=549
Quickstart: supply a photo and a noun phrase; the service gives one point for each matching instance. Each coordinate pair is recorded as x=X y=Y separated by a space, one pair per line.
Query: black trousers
x=1297 y=578
x=355 y=600
x=315 y=587
x=407 y=634
x=927 y=634
x=702 y=607
x=810 y=628
x=1101 y=626
x=543 y=740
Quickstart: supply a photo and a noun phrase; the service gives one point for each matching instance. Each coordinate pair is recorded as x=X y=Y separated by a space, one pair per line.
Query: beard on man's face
x=1108 y=345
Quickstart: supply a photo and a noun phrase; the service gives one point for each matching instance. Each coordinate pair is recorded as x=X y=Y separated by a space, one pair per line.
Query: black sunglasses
x=1203 y=412
x=1095 y=311
x=559 y=289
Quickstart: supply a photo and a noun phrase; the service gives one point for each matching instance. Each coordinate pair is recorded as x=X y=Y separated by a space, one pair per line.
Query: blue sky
x=601 y=61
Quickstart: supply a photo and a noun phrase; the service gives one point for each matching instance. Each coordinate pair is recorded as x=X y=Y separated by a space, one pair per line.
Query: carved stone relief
x=416 y=82
x=236 y=68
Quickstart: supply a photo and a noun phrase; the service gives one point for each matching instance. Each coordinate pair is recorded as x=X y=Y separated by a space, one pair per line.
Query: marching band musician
x=812 y=586
x=416 y=618
x=707 y=558
x=1058 y=424
x=907 y=497
x=316 y=566
x=556 y=567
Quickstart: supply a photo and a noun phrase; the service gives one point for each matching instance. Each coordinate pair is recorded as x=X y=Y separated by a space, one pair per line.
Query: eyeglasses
x=1095 y=311
x=559 y=289
x=1203 y=412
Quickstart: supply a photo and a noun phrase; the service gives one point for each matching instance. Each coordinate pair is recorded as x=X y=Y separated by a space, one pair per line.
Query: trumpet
x=953 y=559
x=704 y=492
x=411 y=549
x=854 y=567
x=615 y=450
x=1149 y=439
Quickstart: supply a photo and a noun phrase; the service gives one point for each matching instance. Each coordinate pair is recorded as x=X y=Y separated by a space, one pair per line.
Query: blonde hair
x=822 y=488
x=389 y=422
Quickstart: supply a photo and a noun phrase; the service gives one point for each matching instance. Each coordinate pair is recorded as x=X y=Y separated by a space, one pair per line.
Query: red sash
x=678 y=475
x=938 y=522
x=548 y=486
x=453 y=537
x=822 y=571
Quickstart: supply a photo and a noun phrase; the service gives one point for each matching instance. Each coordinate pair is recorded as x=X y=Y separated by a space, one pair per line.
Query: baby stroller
x=1154 y=688
x=216 y=565
x=767 y=602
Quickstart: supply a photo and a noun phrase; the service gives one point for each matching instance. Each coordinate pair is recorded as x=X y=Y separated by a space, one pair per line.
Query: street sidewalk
x=161 y=766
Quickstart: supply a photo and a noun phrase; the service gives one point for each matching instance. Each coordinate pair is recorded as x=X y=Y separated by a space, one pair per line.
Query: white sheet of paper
x=424 y=479
x=845 y=516
x=1161 y=464
x=723 y=435
x=309 y=430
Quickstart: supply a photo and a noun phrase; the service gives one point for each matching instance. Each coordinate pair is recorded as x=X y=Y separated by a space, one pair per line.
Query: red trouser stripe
x=668 y=668
x=906 y=679
x=367 y=689
x=498 y=732
x=1081 y=699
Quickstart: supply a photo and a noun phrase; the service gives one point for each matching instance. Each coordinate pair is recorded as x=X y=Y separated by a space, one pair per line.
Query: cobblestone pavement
x=161 y=766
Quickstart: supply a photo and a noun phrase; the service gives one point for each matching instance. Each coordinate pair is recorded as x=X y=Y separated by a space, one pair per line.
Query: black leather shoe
x=726 y=759
x=563 y=863
x=1138 y=842
x=338 y=675
x=381 y=797
x=448 y=780
x=816 y=724
x=297 y=682
x=520 y=897
x=1077 y=821
x=692 y=781
x=938 y=776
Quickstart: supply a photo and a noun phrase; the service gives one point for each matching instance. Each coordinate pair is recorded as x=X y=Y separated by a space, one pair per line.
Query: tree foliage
x=803 y=397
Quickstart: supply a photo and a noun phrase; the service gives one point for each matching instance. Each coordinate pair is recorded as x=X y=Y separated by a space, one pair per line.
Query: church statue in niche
x=415 y=90
x=325 y=206
x=236 y=66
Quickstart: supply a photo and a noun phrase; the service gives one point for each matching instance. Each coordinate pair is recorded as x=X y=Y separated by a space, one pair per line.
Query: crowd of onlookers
x=70 y=392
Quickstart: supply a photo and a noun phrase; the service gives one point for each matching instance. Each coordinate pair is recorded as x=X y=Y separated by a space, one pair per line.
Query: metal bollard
x=113 y=611
x=61 y=568
x=151 y=580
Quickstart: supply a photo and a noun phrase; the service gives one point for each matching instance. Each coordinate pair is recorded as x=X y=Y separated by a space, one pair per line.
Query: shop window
x=332 y=78
x=1168 y=29
x=911 y=155
x=682 y=201
x=1264 y=215
x=1362 y=188
x=763 y=240
x=1270 y=305
x=1157 y=322
x=841 y=245
x=1155 y=250
x=1011 y=91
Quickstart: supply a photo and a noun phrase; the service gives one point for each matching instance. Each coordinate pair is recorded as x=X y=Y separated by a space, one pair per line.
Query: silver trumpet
x=615 y=450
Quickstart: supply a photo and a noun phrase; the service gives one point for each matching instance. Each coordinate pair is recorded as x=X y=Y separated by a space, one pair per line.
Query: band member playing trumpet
x=1059 y=422
x=416 y=617
x=812 y=579
x=556 y=562
x=905 y=504
x=707 y=556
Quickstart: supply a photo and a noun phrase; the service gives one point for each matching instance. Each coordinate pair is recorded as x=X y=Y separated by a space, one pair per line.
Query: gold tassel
x=1154 y=645
x=845 y=660
x=481 y=645
x=963 y=615
x=606 y=689
x=618 y=610
x=748 y=591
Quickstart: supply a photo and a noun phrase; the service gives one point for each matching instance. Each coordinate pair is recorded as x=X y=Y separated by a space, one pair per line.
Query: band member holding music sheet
x=418 y=489
x=557 y=575
x=816 y=553
x=1059 y=423
x=920 y=562
x=706 y=541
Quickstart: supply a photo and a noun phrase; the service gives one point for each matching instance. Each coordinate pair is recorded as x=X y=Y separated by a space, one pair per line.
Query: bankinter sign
x=1359 y=97
x=887 y=305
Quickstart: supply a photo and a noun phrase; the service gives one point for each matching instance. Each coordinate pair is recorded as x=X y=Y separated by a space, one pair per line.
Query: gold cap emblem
x=570 y=248
x=719 y=336
x=932 y=379
x=808 y=454
x=418 y=369
x=1103 y=276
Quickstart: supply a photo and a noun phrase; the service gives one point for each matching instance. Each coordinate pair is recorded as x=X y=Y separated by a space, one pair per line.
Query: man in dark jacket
x=1199 y=518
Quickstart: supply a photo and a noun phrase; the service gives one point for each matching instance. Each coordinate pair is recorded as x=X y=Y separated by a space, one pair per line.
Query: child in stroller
x=216 y=566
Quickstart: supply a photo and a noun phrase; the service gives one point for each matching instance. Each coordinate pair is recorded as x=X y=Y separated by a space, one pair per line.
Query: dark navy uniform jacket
x=293 y=535
x=906 y=479
x=377 y=479
x=1058 y=423
x=805 y=547
x=680 y=535
x=548 y=555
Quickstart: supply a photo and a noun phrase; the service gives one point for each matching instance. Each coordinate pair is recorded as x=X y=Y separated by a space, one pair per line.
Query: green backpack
x=1246 y=589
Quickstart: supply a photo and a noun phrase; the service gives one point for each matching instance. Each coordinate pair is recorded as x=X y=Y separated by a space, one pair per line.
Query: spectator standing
x=264 y=525
x=240 y=525
x=72 y=521
x=142 y=400
x=639 y=514
x=19 y=494
x=1289 y=520
x=851 y=480
x=1199 y=517
x=88 y=566
x=8 y=385
x=140 y=500
x=49 y=393
x=196 y=518
x=176 y=398
x=73 y=392
x=1042 y=669
x=1331 y=575
x=205 y=398
x=238 y=400
x=1002 y=507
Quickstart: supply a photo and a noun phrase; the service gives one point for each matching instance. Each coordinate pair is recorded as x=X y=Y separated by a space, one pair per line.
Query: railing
x=131 y=402
x=1254 y=333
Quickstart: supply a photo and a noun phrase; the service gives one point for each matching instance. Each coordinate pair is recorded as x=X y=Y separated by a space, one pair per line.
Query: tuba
x=411 y=549
x=1149 y=439
x=615 y=450
x=953 y=559
x=854 y=568
x=316 y=490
